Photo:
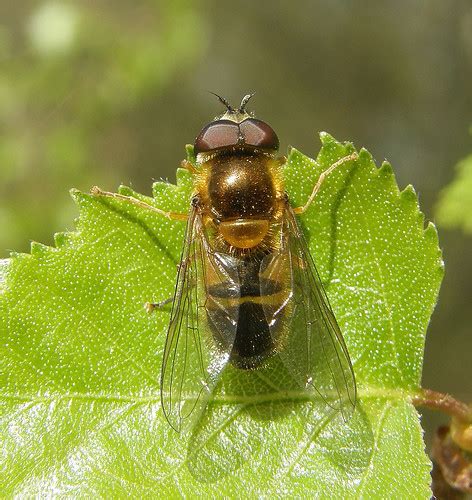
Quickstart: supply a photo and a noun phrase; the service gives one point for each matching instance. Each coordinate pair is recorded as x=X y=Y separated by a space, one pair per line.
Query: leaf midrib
x=366 y=393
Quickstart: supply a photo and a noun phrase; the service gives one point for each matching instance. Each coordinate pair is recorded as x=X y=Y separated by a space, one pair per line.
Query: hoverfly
x=247 y=288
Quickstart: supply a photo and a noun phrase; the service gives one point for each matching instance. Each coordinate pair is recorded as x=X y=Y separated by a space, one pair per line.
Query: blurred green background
x=108 y=92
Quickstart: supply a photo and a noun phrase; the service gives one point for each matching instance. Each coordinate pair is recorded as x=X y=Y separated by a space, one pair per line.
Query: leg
x=322 y=177
x=151 y=306
x=96 y=191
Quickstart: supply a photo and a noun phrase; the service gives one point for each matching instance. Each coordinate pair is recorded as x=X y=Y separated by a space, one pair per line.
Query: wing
x=312 y=347
x=192 y=361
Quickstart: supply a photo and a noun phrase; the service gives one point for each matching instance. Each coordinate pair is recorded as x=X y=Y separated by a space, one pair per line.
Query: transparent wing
x=312 y=347
x=193 y=360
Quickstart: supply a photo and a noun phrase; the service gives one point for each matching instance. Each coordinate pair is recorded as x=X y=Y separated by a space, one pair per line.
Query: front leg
x=96 y=191
x=321 y=178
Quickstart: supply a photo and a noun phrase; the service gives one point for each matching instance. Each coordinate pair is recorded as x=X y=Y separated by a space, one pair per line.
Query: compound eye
x=217 y=135
x=258 y=134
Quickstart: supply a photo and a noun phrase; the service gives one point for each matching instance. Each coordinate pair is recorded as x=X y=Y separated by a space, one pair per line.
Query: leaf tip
x=19 y=256
x=432 y=237
x=159 y=188
x=61 y=239
x=190 y=153
x=294 y=155
x=431 y=233
x=75 y=194
x=182 y=176
x=386 y=169
x=327 y=139
x=38 y=249
x=79 y=196
x=409 y=194
x=364 y=156
x=125 y=190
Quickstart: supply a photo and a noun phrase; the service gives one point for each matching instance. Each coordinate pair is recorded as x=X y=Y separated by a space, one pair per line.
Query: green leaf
x=454 y=209
x=79 y=394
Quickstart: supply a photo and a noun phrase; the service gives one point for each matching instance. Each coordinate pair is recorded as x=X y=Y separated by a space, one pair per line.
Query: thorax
x=240 y=197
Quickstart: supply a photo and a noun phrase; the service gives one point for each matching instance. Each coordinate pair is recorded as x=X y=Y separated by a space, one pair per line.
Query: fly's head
x=235 y=131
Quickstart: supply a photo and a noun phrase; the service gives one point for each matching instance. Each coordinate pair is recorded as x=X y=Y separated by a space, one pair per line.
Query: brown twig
x=460 y=413
x=445 y=403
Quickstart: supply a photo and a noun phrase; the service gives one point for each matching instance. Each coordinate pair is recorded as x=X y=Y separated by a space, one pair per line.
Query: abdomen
x=253 y=340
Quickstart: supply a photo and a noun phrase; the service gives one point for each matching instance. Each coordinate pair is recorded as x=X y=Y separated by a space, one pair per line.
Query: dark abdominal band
x=253 y=342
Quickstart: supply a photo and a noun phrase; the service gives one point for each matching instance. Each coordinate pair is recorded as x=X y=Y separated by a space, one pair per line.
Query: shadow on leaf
x=233 y=436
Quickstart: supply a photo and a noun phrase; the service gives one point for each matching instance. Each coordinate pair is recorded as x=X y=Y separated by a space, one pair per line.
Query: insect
x=247 y=288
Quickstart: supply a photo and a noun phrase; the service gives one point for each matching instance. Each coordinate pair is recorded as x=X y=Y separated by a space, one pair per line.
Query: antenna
x=224 y=102
x=242 y=106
